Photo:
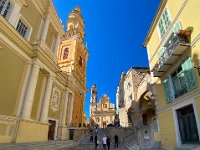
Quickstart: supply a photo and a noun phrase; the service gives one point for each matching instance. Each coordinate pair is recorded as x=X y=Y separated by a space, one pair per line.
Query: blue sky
x=115 y=31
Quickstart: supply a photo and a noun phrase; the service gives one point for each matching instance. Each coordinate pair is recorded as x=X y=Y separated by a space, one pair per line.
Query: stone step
x=50 y=145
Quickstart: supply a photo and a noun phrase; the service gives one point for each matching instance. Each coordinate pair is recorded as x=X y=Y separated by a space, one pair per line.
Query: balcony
x=176 y=46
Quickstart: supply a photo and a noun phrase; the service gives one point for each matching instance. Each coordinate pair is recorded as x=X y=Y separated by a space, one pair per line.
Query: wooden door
x=52 y=126
x=187 y=125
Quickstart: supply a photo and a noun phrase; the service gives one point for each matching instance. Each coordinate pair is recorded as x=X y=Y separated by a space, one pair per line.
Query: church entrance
x=52 y=127
x=104 y=124
x=187 y=125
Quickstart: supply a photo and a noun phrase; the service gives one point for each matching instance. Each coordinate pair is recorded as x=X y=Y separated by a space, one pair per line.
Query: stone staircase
x=130 y=141
x=188 y=147
x=49 y=145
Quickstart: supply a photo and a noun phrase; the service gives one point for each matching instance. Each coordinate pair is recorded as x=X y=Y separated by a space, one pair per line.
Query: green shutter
x=190 y=78
x=167 y=90
x=164 y=22
x=177 y=27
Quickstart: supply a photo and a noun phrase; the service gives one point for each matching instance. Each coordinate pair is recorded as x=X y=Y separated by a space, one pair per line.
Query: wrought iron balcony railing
x=177 y=45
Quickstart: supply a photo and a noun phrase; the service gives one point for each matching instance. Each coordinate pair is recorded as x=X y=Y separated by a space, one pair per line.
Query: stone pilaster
x=30 y=91
x=26 y=80
x=45 y=29
x=14 y=14
x=71 y=105
x=46 y=100
x=64 y=110
x=56 y=44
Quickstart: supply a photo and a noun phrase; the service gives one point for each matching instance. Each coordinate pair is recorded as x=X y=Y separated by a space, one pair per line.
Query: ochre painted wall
x=33 y=20
x=197 y=102
x=77 y=113
x=167 y=130
x=50 y=36
x=12 y=70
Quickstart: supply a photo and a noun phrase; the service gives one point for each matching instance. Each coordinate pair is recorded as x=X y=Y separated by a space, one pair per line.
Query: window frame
x=5 y=8
x=29 y=28
x=161 y=16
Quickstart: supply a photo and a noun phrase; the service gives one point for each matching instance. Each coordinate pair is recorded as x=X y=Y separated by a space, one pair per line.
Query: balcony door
x=187 y=125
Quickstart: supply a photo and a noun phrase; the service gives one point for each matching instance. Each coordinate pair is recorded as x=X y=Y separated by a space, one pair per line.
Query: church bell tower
x=73 y=54
x=93 y=99
x=72 y=60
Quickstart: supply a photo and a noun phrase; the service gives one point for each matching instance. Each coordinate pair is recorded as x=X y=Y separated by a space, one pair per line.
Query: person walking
x=104 y=141
x=116 y=141
x=96 y=142
x=108 y=142
x=91 y=136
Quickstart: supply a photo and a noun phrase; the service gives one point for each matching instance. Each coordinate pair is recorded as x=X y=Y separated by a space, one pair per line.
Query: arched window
x=105 y=105
x=65 y=53
x=4 y=7
x=80 y=61
x=71 y=27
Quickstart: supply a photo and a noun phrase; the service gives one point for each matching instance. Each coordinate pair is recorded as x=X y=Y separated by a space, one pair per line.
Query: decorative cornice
x=154 y=22
x=11 y=32
x=193 y=94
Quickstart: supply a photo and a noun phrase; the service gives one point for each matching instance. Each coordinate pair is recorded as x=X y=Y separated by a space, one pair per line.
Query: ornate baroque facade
x=102 y=113
x=42 y=86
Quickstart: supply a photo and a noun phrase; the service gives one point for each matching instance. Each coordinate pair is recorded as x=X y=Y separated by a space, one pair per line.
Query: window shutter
x=190 y=78
x=167 y=90
x=177 y=27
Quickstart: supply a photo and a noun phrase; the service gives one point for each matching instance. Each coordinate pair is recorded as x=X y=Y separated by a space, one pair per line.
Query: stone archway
x=147 y=108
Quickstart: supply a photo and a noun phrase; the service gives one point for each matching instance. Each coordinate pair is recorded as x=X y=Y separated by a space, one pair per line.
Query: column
x=28 y=72
x=46 y=100
x=71 y=100
x=30 y=91
x=56 y=44
x=64 y=109
x=45 y=29
x=14 y=15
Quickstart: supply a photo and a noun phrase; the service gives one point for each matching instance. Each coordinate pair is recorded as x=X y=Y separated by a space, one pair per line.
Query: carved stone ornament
x=55 y=101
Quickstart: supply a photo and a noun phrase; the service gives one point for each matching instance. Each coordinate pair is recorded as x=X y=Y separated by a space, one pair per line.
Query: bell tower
x=73 y=54
x=72 y=60
x=93 y=99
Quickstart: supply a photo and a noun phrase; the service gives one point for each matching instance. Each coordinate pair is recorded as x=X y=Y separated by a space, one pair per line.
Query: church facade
x=43 y=81
x=102 y=113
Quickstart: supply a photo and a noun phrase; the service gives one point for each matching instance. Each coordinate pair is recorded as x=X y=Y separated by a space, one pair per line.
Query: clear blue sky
x=115 y=31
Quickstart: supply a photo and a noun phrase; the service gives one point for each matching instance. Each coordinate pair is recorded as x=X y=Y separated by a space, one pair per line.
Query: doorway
x=52 y=127
x=187 y=125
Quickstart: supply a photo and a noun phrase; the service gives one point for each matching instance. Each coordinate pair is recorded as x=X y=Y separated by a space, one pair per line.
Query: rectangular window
x=164 y=22
x=21 y=28
x=183 y=80
x=4 y=7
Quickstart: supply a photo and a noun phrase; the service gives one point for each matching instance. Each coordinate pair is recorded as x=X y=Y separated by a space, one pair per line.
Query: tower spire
x=75 y=24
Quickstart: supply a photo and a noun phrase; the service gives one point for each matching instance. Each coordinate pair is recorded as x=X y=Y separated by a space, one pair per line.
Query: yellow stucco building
x=43 y=72
x=174 y=57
